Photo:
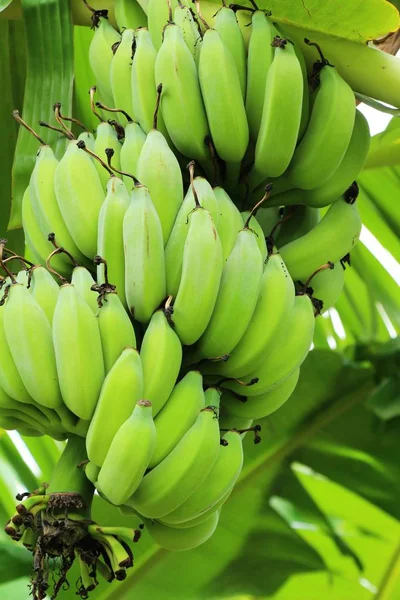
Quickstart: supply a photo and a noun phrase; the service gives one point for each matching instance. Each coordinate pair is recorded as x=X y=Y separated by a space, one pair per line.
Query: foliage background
x=316 y=512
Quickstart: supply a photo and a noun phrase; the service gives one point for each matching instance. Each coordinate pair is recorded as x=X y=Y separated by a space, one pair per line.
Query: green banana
x=182 y=539
x=284 y=355
x=106 y=137
x=255 y=226
x=348 y=170
x=190 y=30
x=159 y=170
x=121 y=390
x=216 y=485
x=176 y=241
x=129 y=14
x=120 y=72
x=78 y=351
x=258 y=407
x=259 y=60
x=116 y=329
x=300 y=220
x=79 y=195
x=178 y=415
x=325 y=142
x=229 y=223
x=306 y=254
x=35 y=243
x=236 y=300
x=176 y=71
x=275 y=301
x=24 y=324
x=44 y=289
x=92 y=472
x=110 y=245
x=161 y=354
x=83 y=281
x=130 y=151
x=171 y=482
x=144 y=256
x=128 y=457
x=327 y=286
x=158 y=15
x=100 y=55
x=223 y=100
x=281 y=114
x=267 y=218
x=228 y=28
x=228 y=422
x=201 y=275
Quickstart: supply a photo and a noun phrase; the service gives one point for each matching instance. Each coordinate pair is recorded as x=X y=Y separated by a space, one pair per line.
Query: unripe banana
x=25 y=411
x=79 y=195
x=201 y=275
x=79 y=355
x=176 y=70
x=129 y=14
x=159 y=170
x=158 y=16
x=121 y=390
x=144 y=256
x=129 y=455
x=182 y=539
x=10 y=379
x=92 y=472
x=305 y=107
x=325 y=142
x=222 y=95
x=306 y=254
x=228 y=28
x=178 y=415
x=327 y=286
x=45 y=290
x=171 y=482
x=25 y=323
x=161 y=354
x=120 y=72
x=258 y=407
x=100 y=56
x=301 y=220
x=276 y=299
x=237 y=298
x=130 y=151
x=348 y=170
x=106 y=137
x=281 y=114
x=259 y=60
x=229 y=222
x=176 y=241
x=116 y=329
x=256 y=227
x=267 y=218
x=45 y=207
x=110 y=244
x=35 y=242
x=216 y=485
x=228 y=422
x=190 y=31
x=83 y=281
x=285 y=354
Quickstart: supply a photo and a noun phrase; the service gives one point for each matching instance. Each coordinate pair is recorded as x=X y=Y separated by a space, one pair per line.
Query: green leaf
x=49 y=79
x=15 y=562
x=4 y=4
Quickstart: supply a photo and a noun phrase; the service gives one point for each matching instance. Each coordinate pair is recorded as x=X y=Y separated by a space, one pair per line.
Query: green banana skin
x=328 y=285
x=285 y=354
x=229 y=222
x=110 y=244
x=306 y=254
x=129 y=455
x=348 y=170
x=217 y=484
x=78 y=350
x=121 y=390
x=202 y=264
x=276 y=299
x=106 y=137
x=259 y=60
x=120 y=72
x=222 y=95
x=159 y=170
x=258 y=407
x=158 y=17
x=45 y=290
x=132 y=146
x=24 y=324
x=171 y=482
x=129 y=15
x=161 y=354
x=325 y=142
x=178 y=415
x=255 y=226
x=92 y=472
x=228 y=28
x=116 y=329
x=227 y=422
x=100 y=57
x=302 y=219
x=176 y=70
x=201 y=518
x=82 y=280
x=182 y=539
x=267 y=218
x=191 y=34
